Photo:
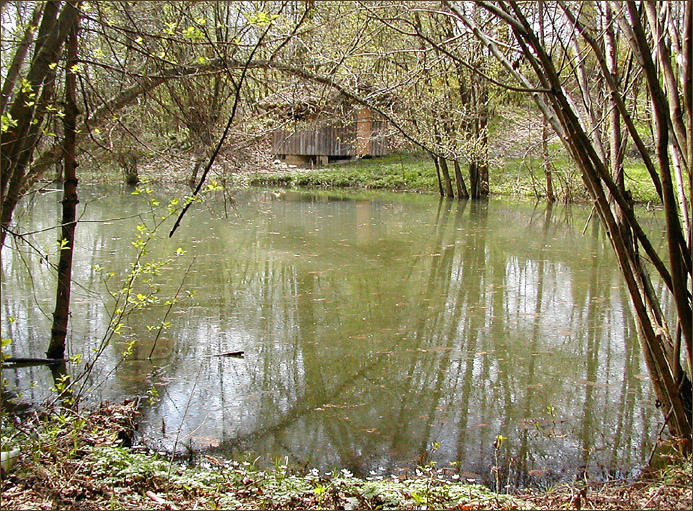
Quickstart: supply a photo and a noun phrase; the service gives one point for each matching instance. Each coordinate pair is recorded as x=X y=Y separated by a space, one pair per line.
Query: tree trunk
x=192 y=181
x=440 y=181
x=18 y=59
x=545 y=122
x=128 y=164
x=615 y=136
x=546 y=160
x=482 y=163
x=478 y=166
x=478 y=177
x=687 y=79
x=56 y=348
x=447 y=182
x=473 y=179
x=462 y=191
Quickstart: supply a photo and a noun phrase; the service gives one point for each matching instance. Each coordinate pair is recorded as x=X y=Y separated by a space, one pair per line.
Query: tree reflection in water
x=371 y=329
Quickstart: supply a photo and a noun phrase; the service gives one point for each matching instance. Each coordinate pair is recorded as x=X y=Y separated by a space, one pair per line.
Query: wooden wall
x=327 y=140
x=379 y=146
x=335 y=140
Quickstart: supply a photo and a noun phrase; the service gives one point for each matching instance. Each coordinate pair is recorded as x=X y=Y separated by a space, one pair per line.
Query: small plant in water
x=496 y=470
x=140 y=288
x=550 y=431
x=153 y=395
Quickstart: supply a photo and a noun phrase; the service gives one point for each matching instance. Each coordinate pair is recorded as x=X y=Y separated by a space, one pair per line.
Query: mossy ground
x=77 y=460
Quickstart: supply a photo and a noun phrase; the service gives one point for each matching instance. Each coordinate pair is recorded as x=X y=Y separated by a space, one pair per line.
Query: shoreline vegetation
x=416 y=174
x=83 y=460
x=399 y=172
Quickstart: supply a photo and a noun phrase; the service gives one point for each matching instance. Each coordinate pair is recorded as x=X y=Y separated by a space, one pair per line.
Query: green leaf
x=261 y=18
x=192 y=33
x=7 y=122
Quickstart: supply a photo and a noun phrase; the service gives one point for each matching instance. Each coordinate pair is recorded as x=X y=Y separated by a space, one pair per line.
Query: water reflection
x=371 y=329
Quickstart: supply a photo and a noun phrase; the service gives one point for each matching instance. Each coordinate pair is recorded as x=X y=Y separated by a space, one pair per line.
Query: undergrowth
x=81 y=460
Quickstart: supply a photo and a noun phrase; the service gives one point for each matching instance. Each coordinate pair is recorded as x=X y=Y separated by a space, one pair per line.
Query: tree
x=27 y=120
x=447 y=109
x=56 y=347
x=652 y=32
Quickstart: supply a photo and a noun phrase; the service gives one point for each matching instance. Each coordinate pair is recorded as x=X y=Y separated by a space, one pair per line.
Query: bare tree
x=56 y=347
x=641 y=25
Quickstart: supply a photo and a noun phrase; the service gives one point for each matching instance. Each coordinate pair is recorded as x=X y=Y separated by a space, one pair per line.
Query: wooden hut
x=320 y=129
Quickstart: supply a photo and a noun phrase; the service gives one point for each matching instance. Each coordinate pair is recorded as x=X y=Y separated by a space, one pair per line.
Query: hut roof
x=302 y=101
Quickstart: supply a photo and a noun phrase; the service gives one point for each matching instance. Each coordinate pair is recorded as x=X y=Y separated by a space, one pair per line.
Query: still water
x=379 y=332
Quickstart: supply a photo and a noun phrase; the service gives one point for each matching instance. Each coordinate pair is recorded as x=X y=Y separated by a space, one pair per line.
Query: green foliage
x=7 y=122
x=5 y=343
x=153 y=394
x=430 y=492
x=82 y=452
x=261 y=18
x=141 y=287
x=496 y=468
x=118 y=466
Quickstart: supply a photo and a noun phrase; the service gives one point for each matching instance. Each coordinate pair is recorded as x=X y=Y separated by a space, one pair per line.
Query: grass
x=416 y=173
x=401 y=172
x=639 y=183
x=78 y=460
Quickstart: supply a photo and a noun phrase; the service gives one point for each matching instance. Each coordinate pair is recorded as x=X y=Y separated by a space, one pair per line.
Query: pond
x=380 y=332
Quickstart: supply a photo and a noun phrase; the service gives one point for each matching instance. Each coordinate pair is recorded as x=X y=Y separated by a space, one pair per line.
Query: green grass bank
x=416 y=173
